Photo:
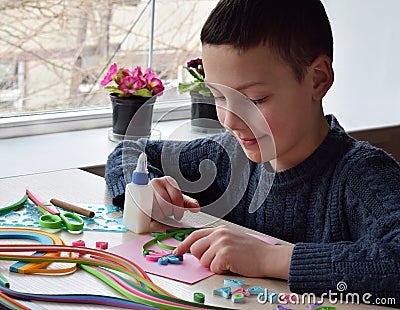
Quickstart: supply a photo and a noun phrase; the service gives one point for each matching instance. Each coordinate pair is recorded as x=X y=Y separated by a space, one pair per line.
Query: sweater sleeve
x=182 y=160
x=369 y=263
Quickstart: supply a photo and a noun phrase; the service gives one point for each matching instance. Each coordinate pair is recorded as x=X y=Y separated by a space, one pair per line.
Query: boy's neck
x=302 y=150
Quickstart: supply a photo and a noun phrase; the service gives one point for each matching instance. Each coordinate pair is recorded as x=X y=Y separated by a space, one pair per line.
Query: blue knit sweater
x=340 y=207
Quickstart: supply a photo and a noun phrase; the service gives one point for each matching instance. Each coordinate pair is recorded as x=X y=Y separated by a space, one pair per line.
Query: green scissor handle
x=71 y=221
x=76 y=224
x=49 y=221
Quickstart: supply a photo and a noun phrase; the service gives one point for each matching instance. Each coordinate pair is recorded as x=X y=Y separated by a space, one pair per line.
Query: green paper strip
x=14 y=206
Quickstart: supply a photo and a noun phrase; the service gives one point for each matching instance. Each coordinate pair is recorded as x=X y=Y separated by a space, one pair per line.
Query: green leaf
x=184 y=87
x=144 y=92
x=205 y=92
x=113 y=89
x=197 y=86
x=195 y=74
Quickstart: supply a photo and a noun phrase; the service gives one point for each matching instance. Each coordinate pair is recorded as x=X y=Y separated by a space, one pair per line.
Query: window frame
x=90 y=118
x=15 y=93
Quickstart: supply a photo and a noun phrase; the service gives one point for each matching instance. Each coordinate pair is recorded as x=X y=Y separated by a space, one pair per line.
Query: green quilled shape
x=14 y=206
x=199 y=297
x=170 y=233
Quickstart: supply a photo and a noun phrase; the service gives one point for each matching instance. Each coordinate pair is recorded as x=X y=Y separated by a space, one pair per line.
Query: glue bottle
x=138 y=199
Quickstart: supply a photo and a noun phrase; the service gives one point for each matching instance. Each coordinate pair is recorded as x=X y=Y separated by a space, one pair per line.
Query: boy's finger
x=175 y=196
x=188 y=204
x=185 y=245
x=162 y=198
x=178 y=212
x=156 y=212
x=191 y=203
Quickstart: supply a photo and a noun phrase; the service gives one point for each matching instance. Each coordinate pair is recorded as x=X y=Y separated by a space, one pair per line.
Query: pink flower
x=197 y=65
x=148 y=71
x=130 y=84
x=154 y=84
x=110 y=74
x=137 y=72
x=122 y=73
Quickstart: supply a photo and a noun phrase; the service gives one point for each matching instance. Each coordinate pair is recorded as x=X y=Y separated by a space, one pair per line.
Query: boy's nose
x=232 y=120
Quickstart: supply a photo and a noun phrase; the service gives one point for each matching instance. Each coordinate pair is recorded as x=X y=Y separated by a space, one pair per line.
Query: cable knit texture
x=340 y=207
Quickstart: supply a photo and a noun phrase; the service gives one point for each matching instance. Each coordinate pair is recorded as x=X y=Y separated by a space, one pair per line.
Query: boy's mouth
x=250 y=141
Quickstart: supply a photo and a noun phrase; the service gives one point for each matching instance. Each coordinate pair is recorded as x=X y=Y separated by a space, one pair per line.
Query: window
x=62 y=49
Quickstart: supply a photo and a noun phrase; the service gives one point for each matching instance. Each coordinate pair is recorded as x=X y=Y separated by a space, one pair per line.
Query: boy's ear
x=322 y=74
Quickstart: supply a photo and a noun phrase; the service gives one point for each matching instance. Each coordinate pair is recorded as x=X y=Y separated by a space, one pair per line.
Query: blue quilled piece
x=173 y=259
x=163 y=260
x=233 y=282
x=223 y=291
x=255 y=290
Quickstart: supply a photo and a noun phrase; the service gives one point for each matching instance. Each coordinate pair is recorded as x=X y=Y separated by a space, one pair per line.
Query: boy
x=336 y=199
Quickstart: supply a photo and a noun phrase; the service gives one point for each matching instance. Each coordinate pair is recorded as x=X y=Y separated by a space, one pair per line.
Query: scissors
x=52 y=218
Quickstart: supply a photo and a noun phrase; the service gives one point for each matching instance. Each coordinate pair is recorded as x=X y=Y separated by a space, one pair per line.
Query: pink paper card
x=189 y=271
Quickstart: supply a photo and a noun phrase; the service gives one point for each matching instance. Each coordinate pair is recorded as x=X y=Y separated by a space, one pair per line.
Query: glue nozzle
x=140 y=174
x=142 y=163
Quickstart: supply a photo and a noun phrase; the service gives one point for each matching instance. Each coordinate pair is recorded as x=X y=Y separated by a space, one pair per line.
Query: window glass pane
x=53 y=54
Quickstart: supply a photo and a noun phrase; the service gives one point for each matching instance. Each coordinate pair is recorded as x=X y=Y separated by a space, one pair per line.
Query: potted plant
x=132 y=94
x=203 y=111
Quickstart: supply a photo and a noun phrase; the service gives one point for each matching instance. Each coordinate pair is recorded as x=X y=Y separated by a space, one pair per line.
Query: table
x=78 y=186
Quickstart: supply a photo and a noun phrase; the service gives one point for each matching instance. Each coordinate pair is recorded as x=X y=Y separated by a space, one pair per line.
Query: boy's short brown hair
x=298 y=30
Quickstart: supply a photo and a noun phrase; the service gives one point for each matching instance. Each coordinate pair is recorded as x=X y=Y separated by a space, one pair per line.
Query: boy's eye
x=220 y=99
x=258 y=101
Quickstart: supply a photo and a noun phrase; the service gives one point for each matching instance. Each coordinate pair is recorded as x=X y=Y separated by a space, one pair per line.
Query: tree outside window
x=54 y=53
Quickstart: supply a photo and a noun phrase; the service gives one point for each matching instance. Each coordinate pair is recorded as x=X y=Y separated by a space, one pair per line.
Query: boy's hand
x=224 y=250
x=169 y=200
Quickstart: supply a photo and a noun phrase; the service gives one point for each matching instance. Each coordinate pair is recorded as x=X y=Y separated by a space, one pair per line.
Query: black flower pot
x=132 y=116
x=203 y=113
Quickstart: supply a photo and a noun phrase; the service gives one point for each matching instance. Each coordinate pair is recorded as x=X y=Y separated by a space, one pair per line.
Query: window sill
x=86 y=149
x=66 y=121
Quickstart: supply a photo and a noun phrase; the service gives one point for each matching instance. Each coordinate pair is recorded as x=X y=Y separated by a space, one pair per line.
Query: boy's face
x=285 y=104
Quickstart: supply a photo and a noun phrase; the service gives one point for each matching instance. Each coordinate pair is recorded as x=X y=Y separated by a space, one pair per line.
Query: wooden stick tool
x=70 y=207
